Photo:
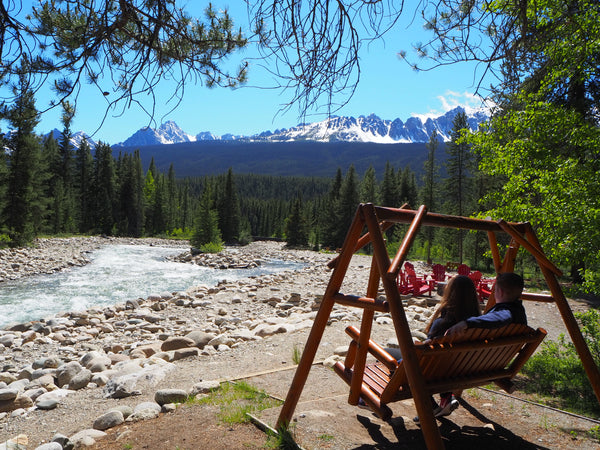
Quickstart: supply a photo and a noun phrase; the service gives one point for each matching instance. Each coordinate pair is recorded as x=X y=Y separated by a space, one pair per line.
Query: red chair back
x=439 y=272
x=463 y=269
x=475 y=277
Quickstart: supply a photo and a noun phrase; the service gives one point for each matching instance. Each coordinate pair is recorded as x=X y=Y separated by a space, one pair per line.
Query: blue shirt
x=501 y=314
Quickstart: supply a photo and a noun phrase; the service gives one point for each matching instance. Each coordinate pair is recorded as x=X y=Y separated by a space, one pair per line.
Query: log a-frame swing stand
x=414 y=370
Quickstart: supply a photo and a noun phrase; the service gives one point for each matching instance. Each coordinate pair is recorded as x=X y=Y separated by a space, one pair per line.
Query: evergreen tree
x=3 y=184
x=131 y=210
x=459 y=182
x=67 y=163
x=149 y=198
x=368 y=187
x=430 y=192
x=296 y=227
x=185 y=205
x=54 y=188
x=84 y=167
x=407 y=190
x=347 y=205
x=25 y=206
x=172 y=200
x=207 y=221
x=229 y=210
x=104 y=189
x=329 y=218
x=389 y=188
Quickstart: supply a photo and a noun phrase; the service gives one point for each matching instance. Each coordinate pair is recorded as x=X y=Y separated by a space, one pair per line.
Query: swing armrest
x=374 y=349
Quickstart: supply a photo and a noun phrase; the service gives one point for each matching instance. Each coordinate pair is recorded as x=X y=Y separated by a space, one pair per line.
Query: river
x=115 y=274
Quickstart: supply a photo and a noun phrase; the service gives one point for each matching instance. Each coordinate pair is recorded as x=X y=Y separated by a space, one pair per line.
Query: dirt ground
x=323 y=418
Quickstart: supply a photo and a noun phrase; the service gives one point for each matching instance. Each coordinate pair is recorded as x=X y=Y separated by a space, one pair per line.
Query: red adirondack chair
x=416 y=285
x=463 y=269
x=475 y=277
x=410 y=284
x=438 y=273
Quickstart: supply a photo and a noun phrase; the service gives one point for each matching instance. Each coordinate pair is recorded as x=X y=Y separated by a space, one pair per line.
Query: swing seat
x=473 y=358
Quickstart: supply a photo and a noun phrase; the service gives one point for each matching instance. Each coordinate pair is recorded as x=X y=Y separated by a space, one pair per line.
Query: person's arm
x=493 y=319
x=456 y=328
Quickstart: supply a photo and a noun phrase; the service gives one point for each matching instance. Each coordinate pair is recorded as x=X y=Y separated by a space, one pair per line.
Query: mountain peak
x=168 y=133
x=369 y=128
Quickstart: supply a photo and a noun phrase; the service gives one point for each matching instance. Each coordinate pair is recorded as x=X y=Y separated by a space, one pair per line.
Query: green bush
x=178 y=233
x=4 y=240
x=212 y=247
x=557 y=372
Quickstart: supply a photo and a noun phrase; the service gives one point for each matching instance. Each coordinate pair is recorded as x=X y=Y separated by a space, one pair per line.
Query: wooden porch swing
x=475 y=358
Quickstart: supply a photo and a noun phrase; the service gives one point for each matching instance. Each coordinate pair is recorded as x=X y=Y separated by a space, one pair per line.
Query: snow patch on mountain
x=76 y=138
x=168 y=133
x=369 y=128
x=374 y=129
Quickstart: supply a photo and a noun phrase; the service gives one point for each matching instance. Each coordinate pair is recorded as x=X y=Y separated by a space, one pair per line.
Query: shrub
x=4 y=240
x=212 y=247
x=557 y=372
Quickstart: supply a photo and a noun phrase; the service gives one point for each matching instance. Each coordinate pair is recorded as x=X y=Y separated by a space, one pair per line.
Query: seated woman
x=459 y=302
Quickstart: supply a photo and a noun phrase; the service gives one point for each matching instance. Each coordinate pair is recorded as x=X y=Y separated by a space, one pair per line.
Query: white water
x=116 y=273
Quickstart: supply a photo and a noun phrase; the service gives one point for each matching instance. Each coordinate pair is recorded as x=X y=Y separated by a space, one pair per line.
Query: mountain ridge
x=366 y=129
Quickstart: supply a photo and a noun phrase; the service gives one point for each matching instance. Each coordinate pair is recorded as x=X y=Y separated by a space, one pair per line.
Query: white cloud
x=450 y=100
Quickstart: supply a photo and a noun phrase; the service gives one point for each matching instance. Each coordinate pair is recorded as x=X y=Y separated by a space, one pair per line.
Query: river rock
x=80 y=380
x=63 y=440
x=47 y=403
x=99 y=364
x=144 y=411
x=7 y=339
x=108 y=420
x=6 y=377
x=177 y=342
x=16 y=443
x=200 y=338
x=86 y=438
x=66 y=372
x=163 y=396
x=20 y=402
x=204 y=387
x=126 y=410
x=184 y=353
x=8 y=394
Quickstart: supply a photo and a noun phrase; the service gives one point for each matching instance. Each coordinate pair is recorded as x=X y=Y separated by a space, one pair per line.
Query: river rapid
x=115 y=274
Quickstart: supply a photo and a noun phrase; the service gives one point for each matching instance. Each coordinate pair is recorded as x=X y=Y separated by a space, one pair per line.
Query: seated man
x=508 y=308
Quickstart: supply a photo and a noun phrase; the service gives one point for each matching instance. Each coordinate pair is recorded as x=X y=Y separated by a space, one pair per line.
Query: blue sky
x=388 y=88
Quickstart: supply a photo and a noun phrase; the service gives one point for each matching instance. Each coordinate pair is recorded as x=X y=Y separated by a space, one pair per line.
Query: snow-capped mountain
x=76 y=138
x=374 y=129
x=362 y=129
x=168 y=133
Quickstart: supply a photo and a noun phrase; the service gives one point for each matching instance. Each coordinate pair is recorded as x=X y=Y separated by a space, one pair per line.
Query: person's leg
x=394 y=353
x=448 y=403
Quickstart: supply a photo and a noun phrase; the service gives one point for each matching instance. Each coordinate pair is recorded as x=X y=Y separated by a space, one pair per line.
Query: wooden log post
x=318 y=328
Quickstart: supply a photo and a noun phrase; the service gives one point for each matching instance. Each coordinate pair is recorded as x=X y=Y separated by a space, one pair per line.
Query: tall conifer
x=26 y=204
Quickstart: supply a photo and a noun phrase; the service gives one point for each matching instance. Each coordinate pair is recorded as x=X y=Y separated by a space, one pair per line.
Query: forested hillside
x=319 y=159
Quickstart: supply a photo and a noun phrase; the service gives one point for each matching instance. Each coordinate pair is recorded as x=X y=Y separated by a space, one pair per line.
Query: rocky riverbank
x=64 y=374
x=66 y=380
x=48 y=256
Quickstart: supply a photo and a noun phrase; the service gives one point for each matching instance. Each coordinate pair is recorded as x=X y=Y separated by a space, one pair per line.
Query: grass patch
x=296 y=354
x=283 y=440
x=235 y=400
x=556 y=374
x=326 y=437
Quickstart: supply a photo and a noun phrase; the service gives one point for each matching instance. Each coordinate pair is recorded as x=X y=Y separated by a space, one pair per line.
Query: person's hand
x=456 y=329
